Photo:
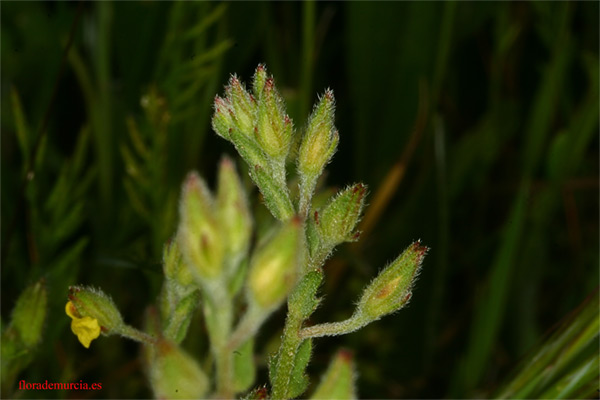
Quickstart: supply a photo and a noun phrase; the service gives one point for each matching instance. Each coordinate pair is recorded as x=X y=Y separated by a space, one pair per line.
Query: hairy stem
x=352 y=324
x=286 y=356
x=247 y=327
x=134 y=334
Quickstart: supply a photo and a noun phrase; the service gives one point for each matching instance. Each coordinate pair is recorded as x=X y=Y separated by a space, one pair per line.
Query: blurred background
x=475 y=126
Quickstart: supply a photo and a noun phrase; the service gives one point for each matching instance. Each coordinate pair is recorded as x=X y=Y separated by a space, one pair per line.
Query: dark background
x=490 y=109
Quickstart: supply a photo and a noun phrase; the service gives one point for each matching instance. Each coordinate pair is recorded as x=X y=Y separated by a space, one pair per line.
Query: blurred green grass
x=502 y=181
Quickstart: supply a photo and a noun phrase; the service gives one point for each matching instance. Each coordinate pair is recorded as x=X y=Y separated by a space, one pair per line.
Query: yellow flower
x=86 y=328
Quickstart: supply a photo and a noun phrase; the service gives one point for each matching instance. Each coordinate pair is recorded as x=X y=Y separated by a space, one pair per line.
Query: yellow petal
x=70 y=310
x=86 y=329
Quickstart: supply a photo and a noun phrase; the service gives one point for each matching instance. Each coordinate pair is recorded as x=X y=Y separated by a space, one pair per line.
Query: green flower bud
x=321 y=138
x=274 y=130
x=338 y=382
x=179 y=297
x=244 y=106
x=173 y=374
x=316 y=149
x=337 y=220
x=95 y=304
x=30 y=312
x=391 y=289
x=260 y=77
x=222 y=122
x=274 y=267
x=174 y=267
x=199 y=236
x=232 y=212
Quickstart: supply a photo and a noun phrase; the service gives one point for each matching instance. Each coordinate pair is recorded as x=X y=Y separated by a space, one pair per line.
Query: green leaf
x=299 y=380
x=303 y=300
x=22 y=130
x=560 y=366
x=179 y=321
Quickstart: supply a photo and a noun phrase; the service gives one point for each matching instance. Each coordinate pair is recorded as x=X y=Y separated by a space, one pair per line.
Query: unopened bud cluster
x=257 y=124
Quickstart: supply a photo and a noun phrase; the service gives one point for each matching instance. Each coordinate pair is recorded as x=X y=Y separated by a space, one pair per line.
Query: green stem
x=218 y=311
x=286 y=356
x=352 y=324
x=247 y=327
x=134 y=334
x=307 y=187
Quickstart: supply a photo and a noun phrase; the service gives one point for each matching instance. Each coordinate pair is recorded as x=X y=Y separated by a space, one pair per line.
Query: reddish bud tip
x=346 y=355
x=317 y=217
x=226 y=162
x=420 y=249
x=329 y=95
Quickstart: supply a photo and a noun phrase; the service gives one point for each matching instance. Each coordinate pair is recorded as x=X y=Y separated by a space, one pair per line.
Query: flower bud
x=174 y=374
x=337 y=220
x=93 y=303
x=244 y=106
x=274 y=267
x=274 y=129
x=173 y=266
x=232 y=212
x=338 y=382
x=222 y=122
x=30 y=312
x=199 y=236
x=391 y=289
x=260 y=77
x=321 y=138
